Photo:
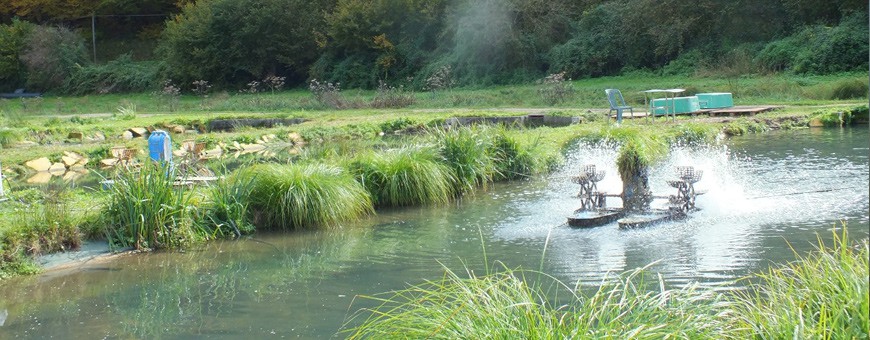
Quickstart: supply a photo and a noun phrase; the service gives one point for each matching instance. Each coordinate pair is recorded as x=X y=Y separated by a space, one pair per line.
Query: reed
x=465 y=151
x=404 y=177
x=303 y=196
x=146 y=210
x=823 y=295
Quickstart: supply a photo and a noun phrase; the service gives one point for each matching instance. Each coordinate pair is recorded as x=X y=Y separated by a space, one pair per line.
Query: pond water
x=764 y=194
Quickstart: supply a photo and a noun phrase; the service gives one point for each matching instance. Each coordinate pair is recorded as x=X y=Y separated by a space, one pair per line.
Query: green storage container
x=715 y=100
x=678 y=104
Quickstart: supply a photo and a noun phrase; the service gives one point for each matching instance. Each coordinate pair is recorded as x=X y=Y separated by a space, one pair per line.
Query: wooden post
x=2 y=193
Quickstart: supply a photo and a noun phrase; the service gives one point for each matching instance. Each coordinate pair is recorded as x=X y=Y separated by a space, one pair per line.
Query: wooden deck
x=729 y=111
x=737 y=111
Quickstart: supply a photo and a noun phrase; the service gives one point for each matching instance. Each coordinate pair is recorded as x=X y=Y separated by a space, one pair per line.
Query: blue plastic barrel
x=160 y=146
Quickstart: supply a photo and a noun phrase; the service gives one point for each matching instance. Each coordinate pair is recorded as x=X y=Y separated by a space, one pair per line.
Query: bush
x=821 y=49
x=404 y=177
x=292 y=197
x=51 y=55
x=230 y=42
x=392 y=97
x=555 y=89
x=849 y=89
x=117 y=76
x=13 y=39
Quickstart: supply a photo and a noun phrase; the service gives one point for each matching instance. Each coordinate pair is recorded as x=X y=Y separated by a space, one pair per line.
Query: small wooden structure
x=736 y=111
x=124 y=155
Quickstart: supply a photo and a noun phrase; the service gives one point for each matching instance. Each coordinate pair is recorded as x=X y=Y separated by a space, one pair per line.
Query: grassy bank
x=821 y=295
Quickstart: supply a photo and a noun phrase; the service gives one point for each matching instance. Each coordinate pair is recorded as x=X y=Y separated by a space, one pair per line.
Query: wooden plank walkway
x=729 y=111
x=737 y=111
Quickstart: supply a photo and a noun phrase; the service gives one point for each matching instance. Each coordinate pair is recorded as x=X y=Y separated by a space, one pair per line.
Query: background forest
x=46 y=45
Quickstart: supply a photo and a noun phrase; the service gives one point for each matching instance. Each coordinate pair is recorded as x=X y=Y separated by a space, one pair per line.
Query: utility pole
x=94 y=34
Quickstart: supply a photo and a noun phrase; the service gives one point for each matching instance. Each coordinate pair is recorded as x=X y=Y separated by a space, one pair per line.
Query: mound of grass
x=303 y=196
x=226 y=212
x=465 y=150
x=515 y=160
x=405 y=177
x=508 y=305
x=823 y=295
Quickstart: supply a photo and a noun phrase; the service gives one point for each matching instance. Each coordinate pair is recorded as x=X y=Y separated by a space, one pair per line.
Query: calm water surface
x=765 y=193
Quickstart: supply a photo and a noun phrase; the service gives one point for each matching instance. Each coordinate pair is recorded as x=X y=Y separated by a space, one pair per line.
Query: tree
x=233 y=41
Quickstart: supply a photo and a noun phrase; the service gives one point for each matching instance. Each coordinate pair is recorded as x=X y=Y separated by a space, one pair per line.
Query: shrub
x=303 y=196
x=397 y=124
x=849 y=89
x=230 y=42
x=555 y=89
x=146 y=211
x=51 y=55
x=13 y=39
x=440 y=80
x=117 y=76
x=327 y=94
x=392 y=97
x=821 y=49
x=404 y=177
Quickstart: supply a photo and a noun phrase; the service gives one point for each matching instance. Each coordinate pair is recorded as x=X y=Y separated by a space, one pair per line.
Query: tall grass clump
x=515 y=160
x=147 y=211
x=465 y=150
x=823 y=295
x=405 y=177
x=292 y=197
x=226 y=212
x=508 y=305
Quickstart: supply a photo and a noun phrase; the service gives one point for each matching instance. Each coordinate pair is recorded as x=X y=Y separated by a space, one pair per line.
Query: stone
x=69 y=161
x=39 y=164
x=26 y=144
x=72 y=176
x=252 y=148
x=177 y=129
x=40 y=178
x=75 y=135
x=109 y=162
x=138 y=132
x=127 y=135
x=78 y=168
x=295 y=138
x=83 y=161
x=99 y=136
x=816 y=123
x=57 y=169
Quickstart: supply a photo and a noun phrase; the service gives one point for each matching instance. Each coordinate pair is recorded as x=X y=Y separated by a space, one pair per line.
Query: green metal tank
x=715 y=100
x=678 y=105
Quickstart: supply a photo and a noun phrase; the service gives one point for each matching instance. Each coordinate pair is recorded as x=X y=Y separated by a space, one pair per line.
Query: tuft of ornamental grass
x=404 y=177
x=146 y=210
x=508 y=305
x=515 y=160
x=305 y=196
x=465 y=150
x=823 y=295
x=226 y=212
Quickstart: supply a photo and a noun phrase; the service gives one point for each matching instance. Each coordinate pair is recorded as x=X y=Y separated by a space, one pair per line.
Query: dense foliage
x=367 y=43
